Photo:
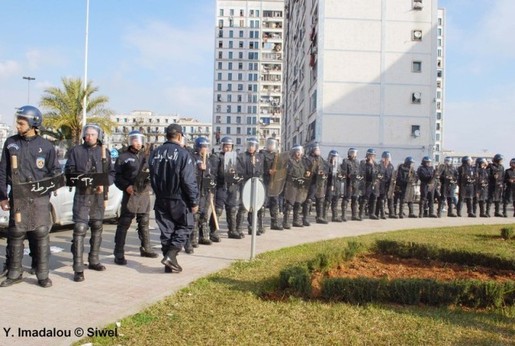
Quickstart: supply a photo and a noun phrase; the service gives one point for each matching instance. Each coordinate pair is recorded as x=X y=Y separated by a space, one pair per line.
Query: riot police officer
x=227 y=186
x=317 y=186
x=28 y=160
x=467 y=185
x=271 y=157
x=93 y=159
x=386 y=186
x=296 y=188
x=173 y=179
x=132 y=178
x=350 y=170
x=206 y=181
x=334 y=187
x=481 y=196
x=496 y=184
x=426 y=175
x=448 y=180
x=509 y=192
x=405 y=186
x=369 y=170
x=250 y=165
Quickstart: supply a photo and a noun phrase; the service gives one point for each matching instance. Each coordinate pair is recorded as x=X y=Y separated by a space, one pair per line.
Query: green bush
x=296 y=278
x=431 y=252
x=507 y=233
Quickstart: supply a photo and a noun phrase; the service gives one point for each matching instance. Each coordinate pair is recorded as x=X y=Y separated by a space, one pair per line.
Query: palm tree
x=65 y=107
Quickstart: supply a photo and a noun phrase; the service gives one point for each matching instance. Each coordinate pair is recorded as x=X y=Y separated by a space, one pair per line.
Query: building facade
x=247 y=97
x=364 y=74
x=153 y=126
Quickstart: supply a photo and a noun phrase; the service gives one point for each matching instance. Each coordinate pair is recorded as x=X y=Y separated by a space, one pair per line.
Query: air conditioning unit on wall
x=417 y=5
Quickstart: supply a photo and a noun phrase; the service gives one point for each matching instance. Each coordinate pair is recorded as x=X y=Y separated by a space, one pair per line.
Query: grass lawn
x=226 y=308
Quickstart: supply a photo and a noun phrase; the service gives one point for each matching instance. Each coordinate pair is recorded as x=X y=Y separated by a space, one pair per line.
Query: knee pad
x=80 y=229
x=96 y=225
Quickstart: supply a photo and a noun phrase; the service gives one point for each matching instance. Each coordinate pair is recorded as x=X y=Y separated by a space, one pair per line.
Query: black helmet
x=480 y=160
x=32 y=114
x=466 y=160
x=386 y=155
x=252 y=142
x=352 y=152
x=409 y=160
x=201 y=142
x=498 y=158
x=370 y=151
x=136 y=134
x=426 y=160
x=447 y=161
x=97 y=128
x=512 y=161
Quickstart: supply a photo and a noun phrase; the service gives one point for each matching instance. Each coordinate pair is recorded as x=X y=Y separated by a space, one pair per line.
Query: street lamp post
x=85 y=101
x=28 y=87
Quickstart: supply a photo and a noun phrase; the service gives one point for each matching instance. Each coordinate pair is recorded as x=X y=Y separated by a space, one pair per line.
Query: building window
x=219 y=65
x=221 y=12
x=228 y=131
x=219 y=87
x=228 y=120
x=416 y=66
x=416 y=97
x=231 y=12
x=230 y=45
x=229 y=76
x=220 y=23
x=228 y=110
x=438 y=115
x=220 y=56
x=229 y=66
x=220 y=33
x=238 y=119
x=242 y=13
x=220 y=44
x=230 y=55
x=238 y=141
x=241 y=33
x=219 y=76
x=416 y=35
x=240 y=44
x=240 y=66
x=229 y=98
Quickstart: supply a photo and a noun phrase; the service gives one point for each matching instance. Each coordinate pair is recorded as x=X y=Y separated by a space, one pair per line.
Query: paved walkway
x=106 y=297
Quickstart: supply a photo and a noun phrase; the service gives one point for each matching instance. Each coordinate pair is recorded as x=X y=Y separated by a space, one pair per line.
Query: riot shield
x=139 y=202
x=230 y=167
x=278 y=176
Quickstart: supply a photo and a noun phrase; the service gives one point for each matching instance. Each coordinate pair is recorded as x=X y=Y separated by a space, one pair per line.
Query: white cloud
x=9 y=68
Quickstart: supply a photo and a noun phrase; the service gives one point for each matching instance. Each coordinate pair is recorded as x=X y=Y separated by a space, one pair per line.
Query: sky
x=158 y=55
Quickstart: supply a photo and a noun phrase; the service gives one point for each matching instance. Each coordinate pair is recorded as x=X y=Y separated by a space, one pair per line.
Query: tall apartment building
x=364 y=74
x=247 y=98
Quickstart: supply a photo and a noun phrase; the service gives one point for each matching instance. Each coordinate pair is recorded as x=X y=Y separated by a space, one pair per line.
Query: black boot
x=170 y=260
x=94 y=246
x=411 y=212
x=421 y=208
x=214 y=234
x=497 y=209
x=119 y=240
x=505 y=209
x=42 y=255
x=334 y=212
x=15 y=249
x=297 y=219
x=354 y=210
x=361 y=210
x=372 y=209
x=319 y=203
x=306 y=208
x=79 y=232
x=431 y=206
x=401 y=209
x=470 y=211
x=450 y=213
x=240 y=216
x=231 y=223
x=274 y=217
x=344 y=210
x=487 y=211
x=391 y=210
x=482 y=209
x=193 y=240
x=458 y=207
x=286 y=216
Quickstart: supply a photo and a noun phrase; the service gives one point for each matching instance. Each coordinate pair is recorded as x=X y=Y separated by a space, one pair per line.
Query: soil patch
x=390 y=267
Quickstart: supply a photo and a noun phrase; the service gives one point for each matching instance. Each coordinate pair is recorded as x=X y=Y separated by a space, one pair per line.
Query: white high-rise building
x=247 y=97
x=364 y=74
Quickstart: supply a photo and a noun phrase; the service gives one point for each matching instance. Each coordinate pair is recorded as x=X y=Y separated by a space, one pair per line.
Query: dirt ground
x=390 y=267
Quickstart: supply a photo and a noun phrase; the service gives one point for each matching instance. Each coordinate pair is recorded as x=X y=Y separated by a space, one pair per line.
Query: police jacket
x=425 y=174
x=269 y=158
x=88 y=159
x=37 y=160
x=173 y=174
x=250 y=165
x=128 y=166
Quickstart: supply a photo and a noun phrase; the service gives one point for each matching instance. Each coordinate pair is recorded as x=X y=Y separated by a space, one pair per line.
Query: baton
x=104 y=169
x=15 y=177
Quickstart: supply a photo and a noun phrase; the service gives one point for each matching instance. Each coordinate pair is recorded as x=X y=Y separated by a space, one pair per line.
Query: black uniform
x=467 y=187
x=173 y=179
x=448 y=179
x=481 y=196
x=88 y=202
x=37 y=160
x=335 y=180
x=131 y=169
x=316 y=190
x=295 y=191
x=350 y=169
x=272 y=202
x=495 y=187
x=386 y=189
x=249 y=166
x=426 y=175
x=509 y=192
x=369 y=170
x=405 y=187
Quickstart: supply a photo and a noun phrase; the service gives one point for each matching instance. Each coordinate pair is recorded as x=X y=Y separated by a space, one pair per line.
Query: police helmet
x=32 y=114
x=313 y=148
x=512 y=161
x=271 y=144
x=370 y=152
x=297 y=148
x=332 y=153
x=97 y=128
x=409 y=160
x=252 y=142
x=466 y=160
x=386 y=155
x=352 y=152
x=201 y=142
x=227 y=141
x=447 y=161
x=498 y=158
x=480 y=160
x=136 y=135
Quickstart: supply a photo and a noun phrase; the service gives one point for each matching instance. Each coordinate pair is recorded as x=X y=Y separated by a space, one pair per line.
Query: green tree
x=64 y=107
